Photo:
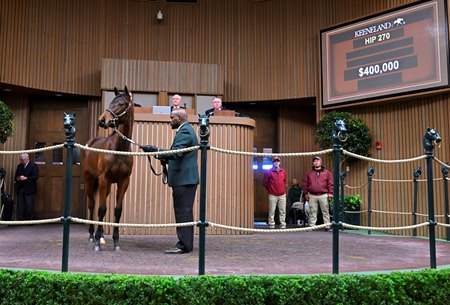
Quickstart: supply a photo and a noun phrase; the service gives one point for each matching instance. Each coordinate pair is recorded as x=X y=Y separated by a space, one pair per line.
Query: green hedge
x=39 y=287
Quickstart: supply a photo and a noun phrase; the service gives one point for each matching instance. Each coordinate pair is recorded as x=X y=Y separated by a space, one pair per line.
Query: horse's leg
x=104 y=187
x=121 y=189
x=89 y=182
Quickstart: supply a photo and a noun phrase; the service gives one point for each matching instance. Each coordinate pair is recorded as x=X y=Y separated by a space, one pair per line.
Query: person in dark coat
x=26 y=176
x=182 y=177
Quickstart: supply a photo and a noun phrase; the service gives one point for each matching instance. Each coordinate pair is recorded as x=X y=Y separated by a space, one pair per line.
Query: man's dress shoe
x=174 y=251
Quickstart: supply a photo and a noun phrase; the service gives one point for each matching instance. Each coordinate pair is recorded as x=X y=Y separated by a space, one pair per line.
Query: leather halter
x=118 y=116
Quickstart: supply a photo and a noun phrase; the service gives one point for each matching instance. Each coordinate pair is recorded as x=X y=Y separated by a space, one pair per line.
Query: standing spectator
x=27 y=173
x=216 y=105
x=275 y=182
x=182 y=177
x=176 y=102
x=318 y=186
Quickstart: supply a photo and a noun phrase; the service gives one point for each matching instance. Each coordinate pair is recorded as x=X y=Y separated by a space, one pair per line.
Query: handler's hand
x=149 y=148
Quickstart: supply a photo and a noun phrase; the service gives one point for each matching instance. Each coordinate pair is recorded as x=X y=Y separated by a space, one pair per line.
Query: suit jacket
x=210 y=111
x=181 y=107
x=183 y=167
x=31 y=171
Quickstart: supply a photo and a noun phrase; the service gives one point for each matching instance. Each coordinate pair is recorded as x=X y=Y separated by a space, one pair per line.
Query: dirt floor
x=40 y=247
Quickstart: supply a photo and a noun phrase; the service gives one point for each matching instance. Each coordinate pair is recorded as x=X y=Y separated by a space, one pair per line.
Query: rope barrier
x=383 y=161
x=349 y=226
x=390 y=212
x=355 y=212
x=407 y=213
x=159 y=153
x=356 y=187
x=2 y=152
x=216 y=225
x=442 y=163
x=227 y=151
x=305 y=229
x=30 y=222
x=133 y=225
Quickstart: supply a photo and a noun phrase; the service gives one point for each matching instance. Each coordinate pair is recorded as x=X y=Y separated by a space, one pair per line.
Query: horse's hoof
x=102 y=241
x=117 y=248
x=91 y=239
x=97 y=248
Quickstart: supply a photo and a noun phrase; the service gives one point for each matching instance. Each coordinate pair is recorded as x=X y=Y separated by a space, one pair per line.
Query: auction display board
x=398 y=52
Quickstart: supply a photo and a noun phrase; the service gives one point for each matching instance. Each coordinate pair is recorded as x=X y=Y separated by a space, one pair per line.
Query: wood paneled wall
x=268 y=50
x=19 y=106
x=156 y=76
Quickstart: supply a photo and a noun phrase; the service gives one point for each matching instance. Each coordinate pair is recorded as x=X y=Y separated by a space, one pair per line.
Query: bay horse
x=100 y=170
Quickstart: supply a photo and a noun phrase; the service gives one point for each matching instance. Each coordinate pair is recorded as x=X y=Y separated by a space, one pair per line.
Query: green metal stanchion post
x=204 y=147
x=430 y=138
x=69 y=126
x=444 y=171
x=339 y=133
x=342 y=176
x=417 y=172
x=370 y=173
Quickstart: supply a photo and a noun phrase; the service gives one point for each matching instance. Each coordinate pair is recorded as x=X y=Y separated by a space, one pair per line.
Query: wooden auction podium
x=224 y=113
x=189 y=111
x=230 y=183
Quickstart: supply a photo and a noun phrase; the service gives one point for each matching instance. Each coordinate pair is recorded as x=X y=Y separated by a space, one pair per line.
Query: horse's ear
x=127 y=93
x=116 y=92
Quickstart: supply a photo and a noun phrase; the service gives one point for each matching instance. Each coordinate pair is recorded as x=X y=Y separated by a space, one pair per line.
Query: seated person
x=176 y=102
x=217 y=105
x=296 y=201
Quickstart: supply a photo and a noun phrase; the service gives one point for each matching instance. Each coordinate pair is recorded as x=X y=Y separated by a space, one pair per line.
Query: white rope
x=305 y=229
x=356 y=187
x=211 y=224
x=355 y=212
x=227 y=151
x=31 y=150
x=389 y=212
x=133 y=225
x=407 y=213
x=30 y=222
x=383 y=161
x=349 y=226
x=116 y=152
x=441 y=163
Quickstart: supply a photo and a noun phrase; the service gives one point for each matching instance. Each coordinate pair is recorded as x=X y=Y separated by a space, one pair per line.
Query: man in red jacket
x=275 y=183
x=318 y=186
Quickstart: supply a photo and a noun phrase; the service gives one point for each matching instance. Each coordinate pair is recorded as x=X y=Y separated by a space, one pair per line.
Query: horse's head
x=69 y=124
x=431 y=138
x=118 y=110
x=339 y=131
x=204 y=129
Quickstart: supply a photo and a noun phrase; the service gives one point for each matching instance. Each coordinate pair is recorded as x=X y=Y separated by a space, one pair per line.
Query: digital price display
x=398 y=52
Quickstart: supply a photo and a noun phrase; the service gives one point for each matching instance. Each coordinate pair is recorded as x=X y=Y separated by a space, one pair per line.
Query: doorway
x=45 y=130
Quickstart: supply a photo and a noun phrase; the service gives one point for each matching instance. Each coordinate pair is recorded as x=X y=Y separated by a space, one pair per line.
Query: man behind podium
x=217 y=105
x=176 y=103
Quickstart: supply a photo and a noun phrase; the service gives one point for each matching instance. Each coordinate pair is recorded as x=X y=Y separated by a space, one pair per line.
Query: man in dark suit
x=217 y=105
x=182 y=177
x=27 y=173
x=176 y=103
